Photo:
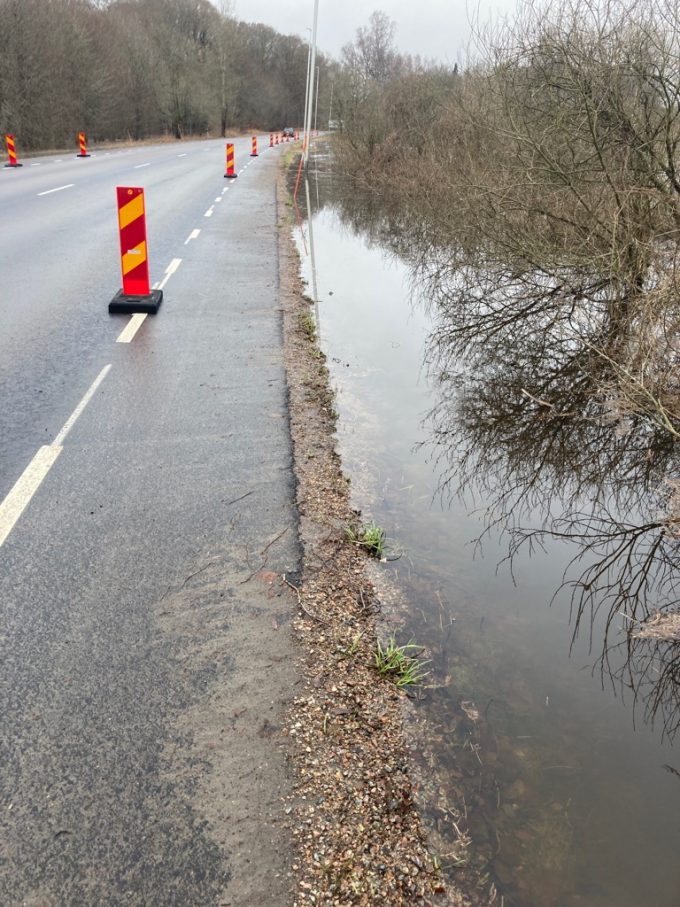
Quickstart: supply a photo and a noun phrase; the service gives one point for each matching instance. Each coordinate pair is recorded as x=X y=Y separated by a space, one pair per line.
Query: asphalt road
x=146 y=490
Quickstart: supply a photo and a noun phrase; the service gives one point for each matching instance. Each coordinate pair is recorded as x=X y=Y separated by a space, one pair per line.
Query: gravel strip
x=359 y=838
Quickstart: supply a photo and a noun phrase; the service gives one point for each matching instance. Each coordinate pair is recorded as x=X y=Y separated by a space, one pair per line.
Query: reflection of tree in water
x=540 y=412
x=559 y=414
x=530 y=415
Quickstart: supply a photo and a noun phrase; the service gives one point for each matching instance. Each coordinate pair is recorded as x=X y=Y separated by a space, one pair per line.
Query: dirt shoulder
x=358 y=834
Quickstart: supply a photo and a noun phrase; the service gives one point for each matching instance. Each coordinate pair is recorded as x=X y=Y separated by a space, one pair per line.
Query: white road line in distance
x=127 y=335
x=226 y=189
x=35 y=165
x=77 y=412
x=58 y=189
x=169 y=271
x=219 y=198
x=209 y=212
x=25 y=487
x=193 y=235
x=184 y=154
x=139 y=166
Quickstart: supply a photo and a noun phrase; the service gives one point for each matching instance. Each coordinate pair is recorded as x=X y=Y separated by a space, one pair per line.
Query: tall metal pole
x=316 y=101
x=330 y=106
x=312 y=64
x=305 y=137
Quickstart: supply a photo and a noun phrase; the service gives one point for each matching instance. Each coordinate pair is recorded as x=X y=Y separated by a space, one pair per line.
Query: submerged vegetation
x=399 y=663
x=369 y=537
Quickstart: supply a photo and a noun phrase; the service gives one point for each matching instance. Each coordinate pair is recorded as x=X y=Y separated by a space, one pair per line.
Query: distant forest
x=136 y=68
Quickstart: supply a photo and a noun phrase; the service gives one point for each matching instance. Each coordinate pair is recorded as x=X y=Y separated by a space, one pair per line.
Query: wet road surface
x=153 y=503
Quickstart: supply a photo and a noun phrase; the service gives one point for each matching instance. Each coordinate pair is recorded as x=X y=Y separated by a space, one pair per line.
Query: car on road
x=289 y=131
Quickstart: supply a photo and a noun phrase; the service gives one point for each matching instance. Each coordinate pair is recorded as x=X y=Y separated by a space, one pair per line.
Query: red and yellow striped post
x=136 y=295
x=231 y=173
x=11 y=152
x=271 y=139
x=253 y=145
x=276 y=139
x=82 y=142
x=281 y=137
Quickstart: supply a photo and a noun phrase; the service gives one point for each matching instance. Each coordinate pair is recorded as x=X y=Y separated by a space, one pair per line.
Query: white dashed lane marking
x=58 y=189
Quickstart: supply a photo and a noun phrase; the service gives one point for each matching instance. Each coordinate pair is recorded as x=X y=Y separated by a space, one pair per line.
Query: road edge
x=355 y=823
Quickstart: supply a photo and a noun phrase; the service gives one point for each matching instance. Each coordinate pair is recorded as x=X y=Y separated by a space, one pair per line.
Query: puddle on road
x=566 y=786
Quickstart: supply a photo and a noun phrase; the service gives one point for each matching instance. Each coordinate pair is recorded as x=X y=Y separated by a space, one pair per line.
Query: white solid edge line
x=139 y=166
x=127 y=335
x=58 y=189
x=77 y=412
x=193 y=235
x=25 y=487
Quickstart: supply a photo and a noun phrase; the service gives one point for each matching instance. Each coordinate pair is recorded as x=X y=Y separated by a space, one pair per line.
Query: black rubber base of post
x=254 y=155
x=230 y=176
x=126 y=305
x=82 y=155
x=14 y=166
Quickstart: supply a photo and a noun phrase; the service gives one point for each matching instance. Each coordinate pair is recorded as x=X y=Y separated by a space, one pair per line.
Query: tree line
x=136 y=68
x=542 y=181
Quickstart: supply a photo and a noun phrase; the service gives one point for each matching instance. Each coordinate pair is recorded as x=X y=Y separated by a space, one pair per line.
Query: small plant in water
x=370 y=537
x=395 y=663
x=308 y=324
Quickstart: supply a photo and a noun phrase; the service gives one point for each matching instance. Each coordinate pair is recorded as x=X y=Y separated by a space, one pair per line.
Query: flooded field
x=547 y=735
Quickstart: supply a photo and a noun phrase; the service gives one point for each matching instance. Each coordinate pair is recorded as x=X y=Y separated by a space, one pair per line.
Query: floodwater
x=555 y=762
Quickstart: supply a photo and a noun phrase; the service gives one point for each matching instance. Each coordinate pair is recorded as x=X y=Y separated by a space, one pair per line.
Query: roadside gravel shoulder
x=358 y=835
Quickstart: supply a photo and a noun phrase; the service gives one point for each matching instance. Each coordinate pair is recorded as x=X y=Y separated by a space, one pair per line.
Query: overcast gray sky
x=431 y=28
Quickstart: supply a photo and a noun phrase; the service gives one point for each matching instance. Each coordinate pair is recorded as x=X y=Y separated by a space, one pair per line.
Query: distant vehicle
x=334 y=124
x=288 y=130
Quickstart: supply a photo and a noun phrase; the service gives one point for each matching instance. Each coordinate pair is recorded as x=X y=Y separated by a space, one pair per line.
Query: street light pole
x=310 y=85
x=304 y=118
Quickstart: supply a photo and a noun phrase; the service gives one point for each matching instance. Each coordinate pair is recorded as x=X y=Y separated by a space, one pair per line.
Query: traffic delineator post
x=276 y=139
x=11 y=152
x=82 y=142
x=271 y=139
x=136 y=294
x=253 y=145
x=231 y=172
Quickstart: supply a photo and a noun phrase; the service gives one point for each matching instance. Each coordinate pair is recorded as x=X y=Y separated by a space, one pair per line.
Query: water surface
x=567 y=783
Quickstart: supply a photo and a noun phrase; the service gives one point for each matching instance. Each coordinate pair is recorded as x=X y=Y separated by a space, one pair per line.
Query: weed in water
x=307 y=324
x=395 y=663
x=370 y=537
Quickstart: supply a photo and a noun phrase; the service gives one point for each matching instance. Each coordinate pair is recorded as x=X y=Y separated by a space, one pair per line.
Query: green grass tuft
x=395 y=663
x=370 y=537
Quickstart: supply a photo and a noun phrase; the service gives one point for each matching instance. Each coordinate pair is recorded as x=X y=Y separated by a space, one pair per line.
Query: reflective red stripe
x=136 y=281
